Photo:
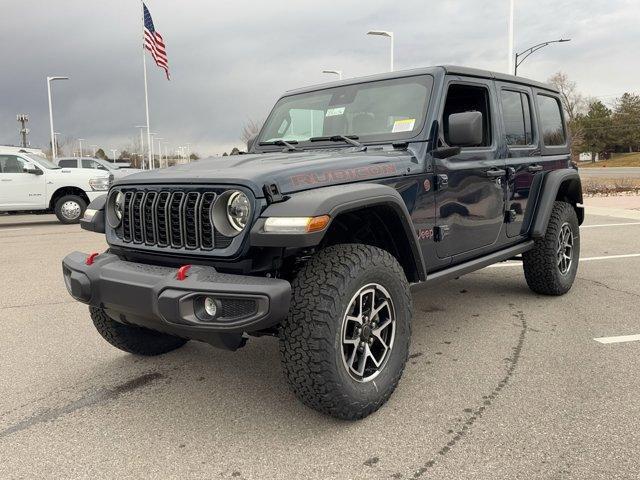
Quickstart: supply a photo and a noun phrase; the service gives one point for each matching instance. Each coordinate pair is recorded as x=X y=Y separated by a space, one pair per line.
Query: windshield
x=385 y=110
x=42 y=161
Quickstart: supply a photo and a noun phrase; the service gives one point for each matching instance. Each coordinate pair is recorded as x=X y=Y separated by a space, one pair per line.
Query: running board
x=473 y=265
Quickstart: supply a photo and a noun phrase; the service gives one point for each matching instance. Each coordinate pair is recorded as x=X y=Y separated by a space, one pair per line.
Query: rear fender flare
x=563 y=185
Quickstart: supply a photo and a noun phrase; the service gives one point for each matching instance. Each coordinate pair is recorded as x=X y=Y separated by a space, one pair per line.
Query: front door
x=19 y=190
x=470 y=186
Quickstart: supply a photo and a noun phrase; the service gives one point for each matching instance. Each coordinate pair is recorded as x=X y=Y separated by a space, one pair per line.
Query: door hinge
x=442 y=181
x=439 y=232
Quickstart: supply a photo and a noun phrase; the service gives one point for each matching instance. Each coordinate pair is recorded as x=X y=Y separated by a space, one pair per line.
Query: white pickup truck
x=30 y=182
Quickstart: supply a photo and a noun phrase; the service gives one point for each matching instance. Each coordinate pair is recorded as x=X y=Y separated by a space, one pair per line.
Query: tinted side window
x=11 y=164
x=516 y=114
x=551 y=121
x=68 y=163
x=89 y=164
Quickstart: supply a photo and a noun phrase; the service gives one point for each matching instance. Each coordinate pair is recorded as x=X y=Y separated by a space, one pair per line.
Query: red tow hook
x=91 y=258
x=182 y=272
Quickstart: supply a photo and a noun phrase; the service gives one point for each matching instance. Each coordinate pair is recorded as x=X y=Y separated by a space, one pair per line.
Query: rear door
x=523 y=161
x=470 y=186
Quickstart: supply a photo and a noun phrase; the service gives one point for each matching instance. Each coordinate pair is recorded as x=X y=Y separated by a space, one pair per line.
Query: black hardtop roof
x=447 y=69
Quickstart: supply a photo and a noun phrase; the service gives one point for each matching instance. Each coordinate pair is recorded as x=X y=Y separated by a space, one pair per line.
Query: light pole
x=55 y=148
x=151 y=160
x=334 y=72
x=510 y=34
x=188 y=153
x=113 y=151
x=384 y=33
x=80 y=142
x=141 y=127
x=522 y=56
x=159 y=139
x=53 y=138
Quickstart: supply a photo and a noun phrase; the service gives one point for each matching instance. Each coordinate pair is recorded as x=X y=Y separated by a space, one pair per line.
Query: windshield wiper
x=351 y=139
x=289 y=146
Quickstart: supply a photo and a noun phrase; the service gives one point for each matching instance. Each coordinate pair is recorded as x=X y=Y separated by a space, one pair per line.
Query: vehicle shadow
x=33 y=223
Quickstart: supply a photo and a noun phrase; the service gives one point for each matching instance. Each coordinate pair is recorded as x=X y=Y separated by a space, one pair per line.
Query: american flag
x=154 y=43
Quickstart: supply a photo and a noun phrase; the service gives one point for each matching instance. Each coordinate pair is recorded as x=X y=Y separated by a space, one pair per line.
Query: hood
x=123 y=172
x=292 y=172
x=79 y=173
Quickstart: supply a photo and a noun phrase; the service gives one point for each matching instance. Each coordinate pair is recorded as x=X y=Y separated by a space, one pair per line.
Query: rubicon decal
x=342 y=175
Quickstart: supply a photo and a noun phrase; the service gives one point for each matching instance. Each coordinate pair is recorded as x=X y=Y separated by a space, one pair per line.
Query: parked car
x=30 y=182
x=354 y=194
x=96 y=164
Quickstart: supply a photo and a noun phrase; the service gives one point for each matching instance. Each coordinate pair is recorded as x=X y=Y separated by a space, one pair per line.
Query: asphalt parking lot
x=501 y=383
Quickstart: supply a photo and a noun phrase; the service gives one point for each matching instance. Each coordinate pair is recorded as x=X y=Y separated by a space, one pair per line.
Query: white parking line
x=620 y=339
x=610 y=225
x=585 y=259
x=13 y=229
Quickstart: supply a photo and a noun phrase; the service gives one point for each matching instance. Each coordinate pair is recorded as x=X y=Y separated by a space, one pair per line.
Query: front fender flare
x=333 y=201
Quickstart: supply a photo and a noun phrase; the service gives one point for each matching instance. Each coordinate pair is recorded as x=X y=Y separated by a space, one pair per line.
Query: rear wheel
x=132 y=339
x=551 y=266
x=70 y=208
x=345 y=342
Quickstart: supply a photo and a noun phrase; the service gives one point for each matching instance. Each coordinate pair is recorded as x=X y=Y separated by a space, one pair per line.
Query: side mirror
x=465 y=129
x=32 y=169
x=251 y=142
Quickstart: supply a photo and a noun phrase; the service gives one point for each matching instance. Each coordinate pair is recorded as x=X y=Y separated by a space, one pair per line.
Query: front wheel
x=70 y=208
x=345 y=342
x=551 y=266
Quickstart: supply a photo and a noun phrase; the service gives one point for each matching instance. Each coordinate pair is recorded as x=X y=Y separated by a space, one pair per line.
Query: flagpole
x=146 y=97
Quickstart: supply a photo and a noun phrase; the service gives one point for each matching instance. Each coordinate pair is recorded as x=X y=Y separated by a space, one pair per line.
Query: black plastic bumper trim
x=151 y=296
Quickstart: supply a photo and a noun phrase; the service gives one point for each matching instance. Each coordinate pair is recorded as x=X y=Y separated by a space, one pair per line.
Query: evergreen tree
x=597 y=129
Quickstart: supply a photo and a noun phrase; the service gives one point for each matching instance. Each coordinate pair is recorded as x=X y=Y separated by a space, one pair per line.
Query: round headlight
x=118 y=205
x=115 y=208
x=238 y=209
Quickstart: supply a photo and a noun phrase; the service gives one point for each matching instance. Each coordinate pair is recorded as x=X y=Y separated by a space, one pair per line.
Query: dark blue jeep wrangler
x=353 y=194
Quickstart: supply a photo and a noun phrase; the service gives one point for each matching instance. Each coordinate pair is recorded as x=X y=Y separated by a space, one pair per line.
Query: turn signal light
x=296 y=224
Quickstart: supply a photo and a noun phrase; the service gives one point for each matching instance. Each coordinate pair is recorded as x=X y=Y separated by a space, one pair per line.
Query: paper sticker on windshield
x=403 y=125
x=332 y=112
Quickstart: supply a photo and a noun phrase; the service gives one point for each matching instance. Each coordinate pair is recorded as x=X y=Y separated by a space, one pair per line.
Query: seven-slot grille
x=170 y=218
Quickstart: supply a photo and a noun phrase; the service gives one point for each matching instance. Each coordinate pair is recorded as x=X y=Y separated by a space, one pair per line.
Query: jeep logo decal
x=342 y=175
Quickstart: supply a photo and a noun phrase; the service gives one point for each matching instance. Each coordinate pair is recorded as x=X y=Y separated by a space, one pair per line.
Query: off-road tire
x=69 y=198
x=540 y=263
x=132 y=339
x=310 y=337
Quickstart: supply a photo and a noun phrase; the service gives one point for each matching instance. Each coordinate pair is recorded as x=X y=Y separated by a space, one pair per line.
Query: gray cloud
x=231 y=60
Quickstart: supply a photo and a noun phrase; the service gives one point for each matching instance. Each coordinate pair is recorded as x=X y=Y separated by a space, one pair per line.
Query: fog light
x=210 y=306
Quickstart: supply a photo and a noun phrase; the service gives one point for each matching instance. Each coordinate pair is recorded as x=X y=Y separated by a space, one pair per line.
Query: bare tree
x=250 y=129
x=574 y=104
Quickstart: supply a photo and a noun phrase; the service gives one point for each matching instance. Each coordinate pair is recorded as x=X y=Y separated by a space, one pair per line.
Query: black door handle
x=534 y=168
x=495 y=173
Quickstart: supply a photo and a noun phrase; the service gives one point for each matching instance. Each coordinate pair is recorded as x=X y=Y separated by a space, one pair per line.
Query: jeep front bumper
x=153 y=297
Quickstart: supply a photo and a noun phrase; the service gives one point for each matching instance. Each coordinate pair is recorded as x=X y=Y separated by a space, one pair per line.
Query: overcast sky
x=230 y=60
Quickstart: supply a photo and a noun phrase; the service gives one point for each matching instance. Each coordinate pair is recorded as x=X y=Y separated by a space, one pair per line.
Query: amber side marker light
x=296 y=224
